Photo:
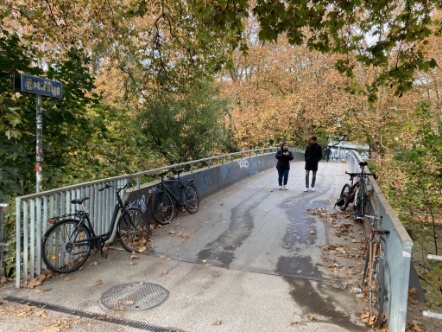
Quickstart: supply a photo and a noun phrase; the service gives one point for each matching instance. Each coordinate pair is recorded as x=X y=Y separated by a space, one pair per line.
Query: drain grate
x=134 y=296
x=90 y=315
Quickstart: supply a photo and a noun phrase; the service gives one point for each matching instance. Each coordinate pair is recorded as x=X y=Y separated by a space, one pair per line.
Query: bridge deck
x=249 y=260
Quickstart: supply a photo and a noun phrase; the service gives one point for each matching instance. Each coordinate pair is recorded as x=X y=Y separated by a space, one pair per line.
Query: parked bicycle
x=374 y=277
x=356 y=193
x=67 y=244
x=173 y=192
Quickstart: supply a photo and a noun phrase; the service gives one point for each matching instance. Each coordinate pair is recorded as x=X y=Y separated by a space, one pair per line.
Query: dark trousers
x=307 y=178
x=283 y=173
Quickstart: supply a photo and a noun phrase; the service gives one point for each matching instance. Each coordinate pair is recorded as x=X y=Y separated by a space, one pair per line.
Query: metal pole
x=39 y=145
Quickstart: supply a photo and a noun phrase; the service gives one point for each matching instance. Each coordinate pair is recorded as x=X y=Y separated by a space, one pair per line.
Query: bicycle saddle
x=363 y=163
x=79 y=200
x=178 y=171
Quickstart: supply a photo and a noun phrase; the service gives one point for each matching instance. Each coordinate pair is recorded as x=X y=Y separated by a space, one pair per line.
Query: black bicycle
x=170 y=193
x=356 y=192
x=67 y=244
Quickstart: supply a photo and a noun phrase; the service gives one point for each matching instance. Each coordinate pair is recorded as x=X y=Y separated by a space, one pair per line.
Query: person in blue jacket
x=327 y=153
x=313 y=154
x=284 y=155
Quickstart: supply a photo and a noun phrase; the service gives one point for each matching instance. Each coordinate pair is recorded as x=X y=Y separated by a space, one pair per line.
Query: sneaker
x=306 y=189
x=284 y=187
x=280 y=187
x=312 y=189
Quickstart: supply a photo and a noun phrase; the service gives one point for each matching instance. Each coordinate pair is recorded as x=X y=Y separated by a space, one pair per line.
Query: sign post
x=40 y=87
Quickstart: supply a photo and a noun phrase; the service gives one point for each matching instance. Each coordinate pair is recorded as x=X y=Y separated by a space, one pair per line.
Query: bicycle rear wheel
x=162 y=206
x=65 y=246
x=377 y=292
x=344 y=194
x=359 y=205
x=133 y=230
x=191 y=198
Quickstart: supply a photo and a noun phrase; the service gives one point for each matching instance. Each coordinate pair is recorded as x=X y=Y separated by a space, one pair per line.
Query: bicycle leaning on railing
x=356 y=193
x=67 y=244
x=164 y=198
x=374 y=267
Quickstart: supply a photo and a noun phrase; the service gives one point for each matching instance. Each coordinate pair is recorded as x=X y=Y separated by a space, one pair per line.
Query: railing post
x=2 y=244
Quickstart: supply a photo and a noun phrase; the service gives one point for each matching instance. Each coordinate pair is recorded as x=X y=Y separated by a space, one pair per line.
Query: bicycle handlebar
x=107 y=186
x=363 y=174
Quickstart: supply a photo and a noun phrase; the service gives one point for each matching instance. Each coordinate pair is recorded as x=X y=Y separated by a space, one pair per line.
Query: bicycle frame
x=84 y=221
x=165 y=187
x=353 y=187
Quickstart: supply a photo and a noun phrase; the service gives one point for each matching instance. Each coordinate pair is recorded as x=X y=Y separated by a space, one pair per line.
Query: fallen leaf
x=311 y=317
x=37 y=281
x=41 y=290
x=217 y=322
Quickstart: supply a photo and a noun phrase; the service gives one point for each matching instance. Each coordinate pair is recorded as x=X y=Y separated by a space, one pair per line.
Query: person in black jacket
x=313 y=154
x=284 y=155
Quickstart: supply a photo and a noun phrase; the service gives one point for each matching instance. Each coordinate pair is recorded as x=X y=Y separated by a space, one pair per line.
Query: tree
x=389 y=35
x=184 y=127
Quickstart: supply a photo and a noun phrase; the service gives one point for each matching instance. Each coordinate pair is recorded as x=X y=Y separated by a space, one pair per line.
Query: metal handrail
x=151 y=171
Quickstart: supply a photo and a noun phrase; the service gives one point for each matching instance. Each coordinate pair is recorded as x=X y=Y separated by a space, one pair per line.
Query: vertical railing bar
x=32 y=240
x=38 y=237
x=25 y=242
x=69 y=206
x=96 y=206
x=45 y=215
x=17 y=241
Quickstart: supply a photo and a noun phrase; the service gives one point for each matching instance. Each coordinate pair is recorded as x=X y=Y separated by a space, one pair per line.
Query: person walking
x=284 y=155
x=313 y=154
x=327 y=153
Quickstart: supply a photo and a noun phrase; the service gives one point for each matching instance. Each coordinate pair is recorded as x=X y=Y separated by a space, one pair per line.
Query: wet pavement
x=249 y=260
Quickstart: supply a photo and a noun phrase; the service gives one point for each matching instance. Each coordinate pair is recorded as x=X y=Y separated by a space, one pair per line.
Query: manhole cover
x=135 y=296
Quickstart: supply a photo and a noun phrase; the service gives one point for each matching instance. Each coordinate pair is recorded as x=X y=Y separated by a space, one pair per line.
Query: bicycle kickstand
x=101 y=245
x=103 y=254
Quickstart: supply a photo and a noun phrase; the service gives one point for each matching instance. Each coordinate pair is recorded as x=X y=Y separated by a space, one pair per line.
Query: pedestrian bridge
x=244 y=224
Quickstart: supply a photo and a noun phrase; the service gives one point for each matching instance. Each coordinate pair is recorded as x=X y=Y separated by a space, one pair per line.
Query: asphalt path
x=249 y=260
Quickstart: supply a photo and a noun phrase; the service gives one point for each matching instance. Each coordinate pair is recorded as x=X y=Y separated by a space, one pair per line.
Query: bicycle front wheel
x=162 y=206
x=65 y=246
x=133 y=230
x=344 y=194
x=191 y=198
x=366 y=263
x=377 y=293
